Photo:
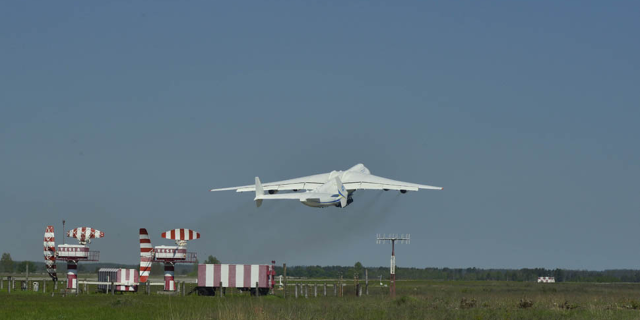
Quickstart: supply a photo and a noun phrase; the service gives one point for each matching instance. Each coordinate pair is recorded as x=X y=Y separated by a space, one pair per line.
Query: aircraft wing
x=364 y=181
x=302 y=183
x=293 y=195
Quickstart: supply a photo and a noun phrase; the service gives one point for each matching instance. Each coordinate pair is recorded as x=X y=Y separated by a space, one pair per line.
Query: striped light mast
x=72 y=253
x=169 y=255
x=392 y=270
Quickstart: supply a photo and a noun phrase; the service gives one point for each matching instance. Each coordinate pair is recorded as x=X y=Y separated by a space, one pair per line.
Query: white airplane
x=335 y=188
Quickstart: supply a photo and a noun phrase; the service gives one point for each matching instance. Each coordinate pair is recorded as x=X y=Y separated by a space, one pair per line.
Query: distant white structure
x=382 y=284
x=547 y=279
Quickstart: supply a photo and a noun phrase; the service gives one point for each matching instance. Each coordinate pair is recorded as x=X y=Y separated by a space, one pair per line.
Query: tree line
x=7 y=265
x=466 y=274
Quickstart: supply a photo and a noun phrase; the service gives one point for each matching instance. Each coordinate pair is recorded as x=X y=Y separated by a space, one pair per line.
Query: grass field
x=415 y=300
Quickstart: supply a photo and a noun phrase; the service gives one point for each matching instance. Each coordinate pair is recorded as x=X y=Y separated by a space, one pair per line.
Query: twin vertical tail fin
x=146 y=255
x=259 y=193
x=334 y=187
x=342 y=192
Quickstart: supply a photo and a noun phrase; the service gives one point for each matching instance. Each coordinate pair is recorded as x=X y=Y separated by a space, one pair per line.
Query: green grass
x=415 y=300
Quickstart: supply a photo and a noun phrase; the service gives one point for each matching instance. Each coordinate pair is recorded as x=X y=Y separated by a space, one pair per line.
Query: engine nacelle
x=273 y=191
x=403 y=191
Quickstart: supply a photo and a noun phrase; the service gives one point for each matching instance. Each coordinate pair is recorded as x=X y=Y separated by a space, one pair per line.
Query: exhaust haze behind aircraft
x=333 y=189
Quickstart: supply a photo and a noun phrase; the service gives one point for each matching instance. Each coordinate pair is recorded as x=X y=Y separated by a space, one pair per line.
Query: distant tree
x=195 y=266
x=22 y=267
x=194 y=270
x=558 y=274
x=357 y=269
x=6 y=263
x=212 y=260
x=315 y=272
x=156 y=269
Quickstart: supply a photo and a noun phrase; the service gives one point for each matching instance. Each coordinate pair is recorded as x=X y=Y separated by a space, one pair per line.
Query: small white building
x=547 y=279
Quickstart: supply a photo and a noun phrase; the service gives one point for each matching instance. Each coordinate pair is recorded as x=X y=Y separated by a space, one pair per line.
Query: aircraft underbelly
x=318 y=204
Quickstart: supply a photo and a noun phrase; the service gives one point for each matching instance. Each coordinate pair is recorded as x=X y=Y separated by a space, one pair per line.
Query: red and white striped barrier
x=127 y=279
x=234 y=275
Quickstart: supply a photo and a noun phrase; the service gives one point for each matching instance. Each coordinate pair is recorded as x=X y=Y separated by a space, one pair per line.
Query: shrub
x=467 y=304
x=525 y=303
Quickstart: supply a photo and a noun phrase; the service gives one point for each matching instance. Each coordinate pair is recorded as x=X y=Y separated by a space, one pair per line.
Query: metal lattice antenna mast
x=404 y=238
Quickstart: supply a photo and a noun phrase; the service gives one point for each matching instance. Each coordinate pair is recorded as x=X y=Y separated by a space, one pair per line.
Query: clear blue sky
x=122 y=114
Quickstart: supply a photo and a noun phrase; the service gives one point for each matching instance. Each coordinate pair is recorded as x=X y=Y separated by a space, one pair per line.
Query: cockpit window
x=335 y=195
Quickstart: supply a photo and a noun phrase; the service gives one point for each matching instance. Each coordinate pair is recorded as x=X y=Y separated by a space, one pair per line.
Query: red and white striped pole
x=146 y=255
x=50 y=252
x=169 y=284
x=273 y=274
x=72 y=274
x=392 y=287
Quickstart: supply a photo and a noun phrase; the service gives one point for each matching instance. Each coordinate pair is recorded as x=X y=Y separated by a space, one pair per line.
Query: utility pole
x=392 y=270
x=366 y=281
x=340 y=284
x=356 y=283
x=284 y=267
